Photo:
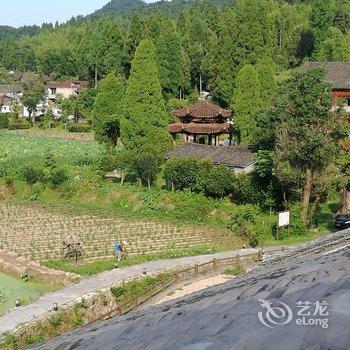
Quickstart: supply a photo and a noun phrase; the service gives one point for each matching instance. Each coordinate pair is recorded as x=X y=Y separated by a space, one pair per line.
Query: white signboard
x=283 y=219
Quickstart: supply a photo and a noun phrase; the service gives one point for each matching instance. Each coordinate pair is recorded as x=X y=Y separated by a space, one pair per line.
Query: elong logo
x=274 y=315
x=309 y=313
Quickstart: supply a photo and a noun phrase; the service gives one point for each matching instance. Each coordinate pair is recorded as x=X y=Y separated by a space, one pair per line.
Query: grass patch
x=138 y=288
x=57 y=324
x=234 y=270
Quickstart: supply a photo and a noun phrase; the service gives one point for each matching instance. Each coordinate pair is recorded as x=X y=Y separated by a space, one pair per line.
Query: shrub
x=79 y=127
x=246 y=190
x=214 y=181
x=19 y=124
x=32 y=174
x=181 y=173
x=4 y=121
x=58 y=177
x=146 y=167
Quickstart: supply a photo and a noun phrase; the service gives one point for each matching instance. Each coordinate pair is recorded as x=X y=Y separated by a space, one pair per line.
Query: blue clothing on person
x=118 y=247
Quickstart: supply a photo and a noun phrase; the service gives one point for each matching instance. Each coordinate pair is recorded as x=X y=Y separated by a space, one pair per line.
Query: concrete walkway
x=70 y=294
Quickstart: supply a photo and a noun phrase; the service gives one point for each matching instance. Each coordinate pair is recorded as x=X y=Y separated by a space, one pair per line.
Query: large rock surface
x=226 y=316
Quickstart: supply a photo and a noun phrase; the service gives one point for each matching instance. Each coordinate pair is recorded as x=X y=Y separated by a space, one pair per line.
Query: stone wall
x=14 y=265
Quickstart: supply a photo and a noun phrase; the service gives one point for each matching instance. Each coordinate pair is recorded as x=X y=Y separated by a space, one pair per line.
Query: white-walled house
x=12 y=91
x=6 y=107
x=10 y=95
x=65 y=89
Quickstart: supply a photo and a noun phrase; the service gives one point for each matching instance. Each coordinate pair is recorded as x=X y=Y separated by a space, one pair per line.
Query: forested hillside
x=11 y=32
x=127 y=7
x=196 y=42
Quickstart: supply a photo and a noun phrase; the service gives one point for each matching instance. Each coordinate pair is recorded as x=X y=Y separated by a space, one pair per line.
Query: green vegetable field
x=17 y=151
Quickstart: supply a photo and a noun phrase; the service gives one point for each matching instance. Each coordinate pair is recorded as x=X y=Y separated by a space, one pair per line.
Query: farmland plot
x=17 y=151
x=37 y=233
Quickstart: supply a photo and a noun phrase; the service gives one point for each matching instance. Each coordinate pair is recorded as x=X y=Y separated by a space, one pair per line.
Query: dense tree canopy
x=198 y=44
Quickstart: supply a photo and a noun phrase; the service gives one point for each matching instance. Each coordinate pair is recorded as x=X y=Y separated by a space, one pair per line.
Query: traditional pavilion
x=202 y=122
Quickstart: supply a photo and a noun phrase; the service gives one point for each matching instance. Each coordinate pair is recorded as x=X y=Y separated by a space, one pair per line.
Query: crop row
x=38 y=234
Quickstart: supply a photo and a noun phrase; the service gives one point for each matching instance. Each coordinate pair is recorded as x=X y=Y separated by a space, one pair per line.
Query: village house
x=11 y=91
x=10 y=94
x=337 y=74
x=202 y=122
x=64 y=89
x=22 y=77
x=239 y=159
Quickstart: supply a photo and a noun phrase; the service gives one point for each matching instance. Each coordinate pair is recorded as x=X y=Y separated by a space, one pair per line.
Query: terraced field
x=36 y=232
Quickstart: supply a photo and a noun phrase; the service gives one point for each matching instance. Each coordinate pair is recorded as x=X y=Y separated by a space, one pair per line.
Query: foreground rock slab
x=227 y=316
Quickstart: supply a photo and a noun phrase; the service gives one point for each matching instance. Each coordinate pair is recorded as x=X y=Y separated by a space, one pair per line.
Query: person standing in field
x=118 y=249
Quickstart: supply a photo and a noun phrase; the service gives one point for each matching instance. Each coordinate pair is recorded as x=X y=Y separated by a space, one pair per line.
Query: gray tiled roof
x=337 y=73
x=238 y=156
x=8 y=88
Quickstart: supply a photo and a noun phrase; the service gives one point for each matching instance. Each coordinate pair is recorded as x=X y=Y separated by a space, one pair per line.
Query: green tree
x=181 y=173
x=321 y=19
x=224 y=67
x=70 y=108
x=135 y=35
x=342 y=15
x=96 y=50
x=336 y=47
x=246 y=103
x=255 y=35
x=308 y=135
x=214 y=181
x=114 y=54
x=169 y=60
x=30 y=99
x=108 y=109
x=266 y=77
x=146 y=167
x=49 y=118
x=144 y=105
x=86 y=100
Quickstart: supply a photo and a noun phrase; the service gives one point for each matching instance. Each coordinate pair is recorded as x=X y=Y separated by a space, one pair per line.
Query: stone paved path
x=70 y=294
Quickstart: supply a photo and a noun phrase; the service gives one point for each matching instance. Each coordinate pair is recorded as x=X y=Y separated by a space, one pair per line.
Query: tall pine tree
x=321 y=19
x=266 y=75
x=145 y=112
x=108 y=109
x=255 y=35
x=169 y=60
x=246 y=103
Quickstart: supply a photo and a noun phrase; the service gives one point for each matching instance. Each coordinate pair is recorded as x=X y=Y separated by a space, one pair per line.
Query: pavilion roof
x=196 y=128
x=237 y=156
x=203 y=109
